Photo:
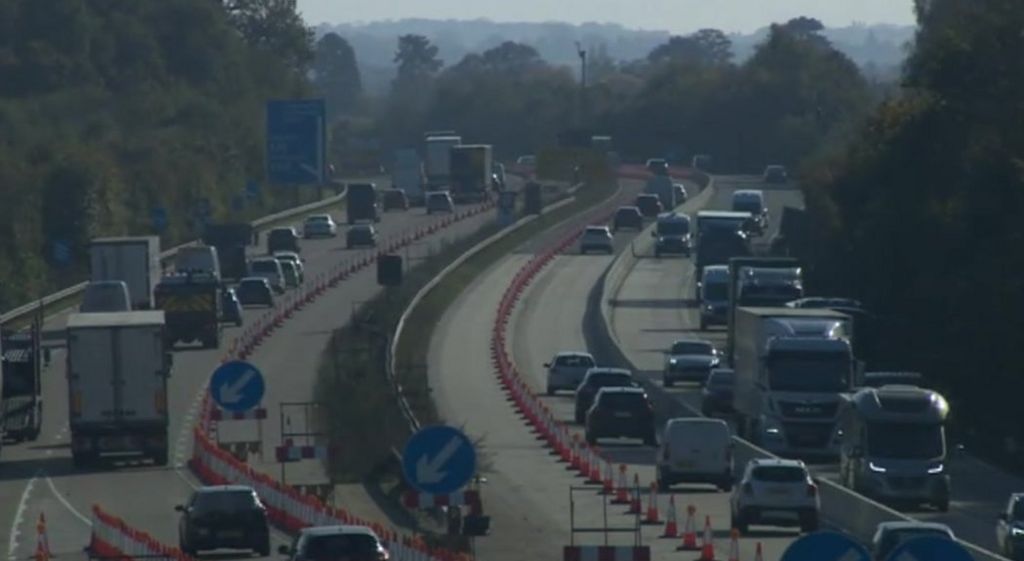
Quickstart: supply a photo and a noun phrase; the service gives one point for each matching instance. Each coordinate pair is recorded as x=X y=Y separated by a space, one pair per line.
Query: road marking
x=67 y=504
x=19 y=515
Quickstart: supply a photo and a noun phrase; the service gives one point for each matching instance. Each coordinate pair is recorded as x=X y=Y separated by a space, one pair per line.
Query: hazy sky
x=678 y=16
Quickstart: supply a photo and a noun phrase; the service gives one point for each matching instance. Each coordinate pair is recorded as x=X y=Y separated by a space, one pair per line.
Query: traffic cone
x=42 y=543
x=689 y=531
x=622 y=491
x=608 y=484
x=652 y=506
x=634 y=504
x=671 y=529
x=734 y=545
x=707 y=546
x=758 y=556
x=595 y=469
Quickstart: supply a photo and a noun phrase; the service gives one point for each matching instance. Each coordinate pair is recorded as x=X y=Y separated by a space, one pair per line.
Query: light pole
x=583 y=82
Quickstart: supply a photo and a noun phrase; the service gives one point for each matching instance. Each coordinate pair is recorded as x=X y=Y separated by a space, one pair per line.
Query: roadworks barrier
x=113 y=538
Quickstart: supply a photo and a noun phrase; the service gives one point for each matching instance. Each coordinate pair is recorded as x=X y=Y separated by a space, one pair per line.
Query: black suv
x=628 y=217
x=282 y=239
x=621 y=412
x=362 y=235
x=716 y=396
x=224 y=517
x=596 y=379
x=649 y=205
x=395 y=199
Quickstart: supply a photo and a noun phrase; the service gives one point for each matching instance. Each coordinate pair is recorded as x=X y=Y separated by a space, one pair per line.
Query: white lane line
x=186 y=479
x=19 y=515
x=67 y=504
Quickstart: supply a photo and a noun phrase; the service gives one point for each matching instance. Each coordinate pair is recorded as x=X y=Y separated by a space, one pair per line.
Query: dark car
x=649 y=205
x=627 y=217
x=690 y=360
x=395 y=199
x=621 y=412
x=716 y=396
x=231 y=307
x=362 y=235
x=657 y=166
x=255 y=291
x=224 y=517
x=775 y=174
x=595 y=379
x=336 y=543
x=282 y=239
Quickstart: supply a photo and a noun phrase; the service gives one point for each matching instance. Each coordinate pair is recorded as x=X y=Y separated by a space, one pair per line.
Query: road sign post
x=439 y=460
x=927 y=548
x=296 y=140
x=825 y=546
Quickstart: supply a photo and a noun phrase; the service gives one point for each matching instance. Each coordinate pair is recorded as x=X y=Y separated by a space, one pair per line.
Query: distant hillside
x=878 y=47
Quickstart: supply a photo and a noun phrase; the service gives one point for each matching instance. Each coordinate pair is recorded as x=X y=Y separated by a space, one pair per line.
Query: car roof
x=646 y=196
x=311 y=216
x=285 y=254
x=337 y=530
x=224 y=488
x=597 y=227
x=260 y=280
x=673 y=216
x=573 y=353
x=913 y=525
x=622 y=389
x=691 y=340
x=748 y=193
x=608 y=370
x=777 y=462
x=628 y=207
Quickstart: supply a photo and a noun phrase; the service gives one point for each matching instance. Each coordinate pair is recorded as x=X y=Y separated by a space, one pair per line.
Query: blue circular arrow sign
x=439 y=460
x=927 y=548
x=237 y=386
x=825 y=546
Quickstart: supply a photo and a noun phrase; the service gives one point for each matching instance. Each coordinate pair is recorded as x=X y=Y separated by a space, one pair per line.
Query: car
x=105 y=296
x=567 y=369
x=716 y=395
x=439 y=201
x=713 y=296
x=291 y=273
x=877 y=379
x=690 y=360
x=282 y=239
x=596 y=238
x=824 y=302
x=657 y=166
x=336 y=543
x=319 y=225
x=628 y=217
x=752 y=201
x=527 y=160
x=270 y=269
x=300 y=264
x=255 y=291
x=681 y=194
x=778 y=492
x=623 y=412
x=695 y=450
x=1010 y=528
x=594 y=380
x=890 y=535
x=671 y=234
x=775 y=174
x=223 y=517
x=649 y=205
x=231 y=307
x=361 y=235
x=395 y=199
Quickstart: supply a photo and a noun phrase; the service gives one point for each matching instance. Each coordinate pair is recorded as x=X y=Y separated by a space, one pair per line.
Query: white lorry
x=439 y=154
x=664 y=188
x=791 y=367
x=407 y=175
x=135 y=260
x=117 y=370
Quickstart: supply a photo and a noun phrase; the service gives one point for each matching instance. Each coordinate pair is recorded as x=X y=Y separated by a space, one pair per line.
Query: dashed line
x=19 y=515
x=67 y=504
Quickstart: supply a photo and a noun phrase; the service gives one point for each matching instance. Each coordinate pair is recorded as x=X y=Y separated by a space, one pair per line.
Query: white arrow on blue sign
x=825 y=546
x=927 y=548
x=439 y=460
x=237 y=386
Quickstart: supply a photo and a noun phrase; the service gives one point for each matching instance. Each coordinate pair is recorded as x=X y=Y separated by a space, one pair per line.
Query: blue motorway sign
x=238 y=202
x=252 y=189
x=159 y=218
x=237 y=386
x=61 y=252
x=825 y=546
x=439 y=460
x=296 y=141
x=927 y=548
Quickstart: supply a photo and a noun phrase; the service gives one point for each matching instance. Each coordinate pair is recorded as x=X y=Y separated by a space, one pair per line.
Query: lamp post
x=582 y=53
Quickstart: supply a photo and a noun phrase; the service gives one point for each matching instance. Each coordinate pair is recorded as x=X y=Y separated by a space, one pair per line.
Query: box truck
x=230 y=240
x=407 y=175
x=135 y=260
x=438 y=168
x=471 y=176
x=117 y=370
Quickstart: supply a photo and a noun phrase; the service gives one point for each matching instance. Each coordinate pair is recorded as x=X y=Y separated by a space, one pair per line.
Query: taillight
x=812 y=490
x=382 y=555
x=748 y=489
x=76 y=404
x=160 y=402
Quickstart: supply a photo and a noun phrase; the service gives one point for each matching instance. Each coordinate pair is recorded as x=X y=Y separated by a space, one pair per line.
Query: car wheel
x=741 y=524
x=578 y=416
x=809 y=523
x=651 y=439
x=726 y=484
x=703 y=324
x=263 y=549
x=942 y=505
x=238 y=323
x=591 y=439
x=666 y=382
x=551 y=390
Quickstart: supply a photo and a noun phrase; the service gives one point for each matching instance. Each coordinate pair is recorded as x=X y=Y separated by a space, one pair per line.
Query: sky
x=677 y=16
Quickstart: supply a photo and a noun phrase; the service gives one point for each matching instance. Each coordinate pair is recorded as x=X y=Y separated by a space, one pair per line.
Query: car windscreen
x=282 y=235
x=906 y=441
x=251 y=286
x=324 y=219
x=779 y=474
x=692 y=348
x=338 y=546
x=674 y=228
x=223 y=501
x=265 y=266
x=805 y=372
x=622 y=401
x=609 y=380
x=574 y=361
x=596 y=232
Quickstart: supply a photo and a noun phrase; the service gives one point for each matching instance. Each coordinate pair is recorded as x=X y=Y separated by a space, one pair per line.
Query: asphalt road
x=654 y=307
x=39 y=478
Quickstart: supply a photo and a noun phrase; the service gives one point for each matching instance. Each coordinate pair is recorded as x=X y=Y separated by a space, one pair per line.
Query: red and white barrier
x=606 y=553
x=290 y=453
x=113 y=538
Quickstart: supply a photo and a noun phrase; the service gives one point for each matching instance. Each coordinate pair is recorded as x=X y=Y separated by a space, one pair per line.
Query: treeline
x=920 y=215
x=111 y=108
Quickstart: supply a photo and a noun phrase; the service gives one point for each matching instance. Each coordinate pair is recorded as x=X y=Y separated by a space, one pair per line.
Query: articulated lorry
x=664 y=188
x=231 y=241
x=407 y=175
x=191 y=303
x=471 y=172
x=135 y=260
x=791 y=367
x=117 y=369
x=718 y=237
x=760 y=281
x=22 y=383
x=438 y=163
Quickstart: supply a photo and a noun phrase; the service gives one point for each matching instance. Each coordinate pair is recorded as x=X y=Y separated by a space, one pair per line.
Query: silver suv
x=775 y=492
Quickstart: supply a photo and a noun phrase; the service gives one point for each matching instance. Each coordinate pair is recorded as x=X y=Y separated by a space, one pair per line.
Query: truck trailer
x=362 y=203
x=407 y=175
x=471 y=176
x=134 y=260
x=231 y=241
x=117 y=370
x=22 y=383
x=438 y=163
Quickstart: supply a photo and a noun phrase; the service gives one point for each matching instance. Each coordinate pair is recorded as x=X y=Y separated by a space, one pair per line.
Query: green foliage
x=336 y=75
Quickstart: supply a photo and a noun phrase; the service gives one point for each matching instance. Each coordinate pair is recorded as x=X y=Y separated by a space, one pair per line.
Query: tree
x=335 y=74
x=706 y=47
x=714 y=46
x=417 y=61
x=276 y=27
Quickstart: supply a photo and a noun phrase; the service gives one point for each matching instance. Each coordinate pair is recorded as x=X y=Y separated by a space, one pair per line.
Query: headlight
x=876 y=468
x=771 y=426
x=1016 y=532
x=936 y=469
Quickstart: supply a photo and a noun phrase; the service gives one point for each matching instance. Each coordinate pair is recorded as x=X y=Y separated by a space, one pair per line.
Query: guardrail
x=165 y=256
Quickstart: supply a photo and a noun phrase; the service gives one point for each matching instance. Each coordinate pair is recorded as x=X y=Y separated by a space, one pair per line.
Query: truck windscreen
x=906 y=441
x=769 y=295
x=677 y=228
x=748 y=205
x=809 y=372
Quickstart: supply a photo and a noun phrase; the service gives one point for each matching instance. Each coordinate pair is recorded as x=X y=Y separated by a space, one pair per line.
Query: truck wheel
x=809 y=523
x=942 y=505
x=666 y=381
x=703 y=324
x=160 y=457
x=82 y=460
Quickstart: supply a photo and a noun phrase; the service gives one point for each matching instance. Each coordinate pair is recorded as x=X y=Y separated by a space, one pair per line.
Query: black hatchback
x=716 y=396
x=621 y=412
x=649 y=205
x=224 y=517
x=627 y=217
x=595 y=379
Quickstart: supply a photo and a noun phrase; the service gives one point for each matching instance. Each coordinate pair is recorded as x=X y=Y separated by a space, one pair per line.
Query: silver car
x=567 y=369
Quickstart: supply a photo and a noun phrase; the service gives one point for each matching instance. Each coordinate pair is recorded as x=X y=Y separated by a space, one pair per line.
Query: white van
x=696 y=450
x=270 y=269
x=198 y=259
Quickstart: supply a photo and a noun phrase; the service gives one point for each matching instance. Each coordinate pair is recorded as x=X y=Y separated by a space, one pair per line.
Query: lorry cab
x=768 y=287
x=894 y=444
x=713 y=292
x=362 y=203
x=752 y=201
x=672 y=234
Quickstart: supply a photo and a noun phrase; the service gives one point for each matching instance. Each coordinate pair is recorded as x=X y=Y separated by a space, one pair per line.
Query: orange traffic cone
x=707 y=546
x=758 y=556
x=622 y=491
x=594 y=477
x=608 y=483
x=689 y=532
x=42 y=543
x=652 y=506
x=634 y=504
x=734 y=545
x=671 y=530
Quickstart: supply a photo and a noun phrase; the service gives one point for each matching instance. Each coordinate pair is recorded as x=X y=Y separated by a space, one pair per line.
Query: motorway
x=39 y=478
